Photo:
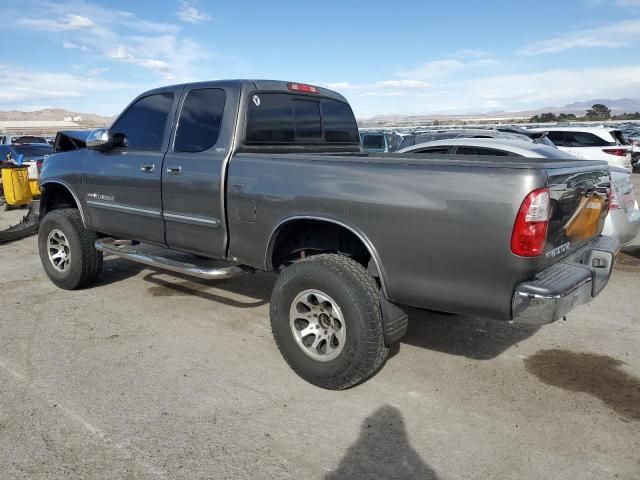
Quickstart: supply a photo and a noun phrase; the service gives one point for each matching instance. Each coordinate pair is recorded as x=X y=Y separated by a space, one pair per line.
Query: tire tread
x=367 y=362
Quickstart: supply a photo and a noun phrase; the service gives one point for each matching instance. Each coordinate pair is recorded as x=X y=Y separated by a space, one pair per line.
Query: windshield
x=28 y=139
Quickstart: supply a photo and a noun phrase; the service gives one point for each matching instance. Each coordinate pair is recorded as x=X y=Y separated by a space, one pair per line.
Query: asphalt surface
x=149 y=375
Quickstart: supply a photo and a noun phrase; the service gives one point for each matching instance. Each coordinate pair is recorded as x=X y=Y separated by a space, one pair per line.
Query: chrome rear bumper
x=573 y=281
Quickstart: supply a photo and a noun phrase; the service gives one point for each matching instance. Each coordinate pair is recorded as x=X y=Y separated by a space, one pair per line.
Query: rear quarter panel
x=442 y=232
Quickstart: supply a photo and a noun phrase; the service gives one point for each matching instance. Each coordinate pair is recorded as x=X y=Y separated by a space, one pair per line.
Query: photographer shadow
x=382 y=451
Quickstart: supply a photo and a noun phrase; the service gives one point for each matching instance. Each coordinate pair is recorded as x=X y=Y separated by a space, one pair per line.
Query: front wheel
x=327 y=322
x=67 y=250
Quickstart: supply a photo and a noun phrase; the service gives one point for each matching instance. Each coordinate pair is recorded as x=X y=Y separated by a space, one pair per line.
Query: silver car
x=501 y=147
x=623 y=221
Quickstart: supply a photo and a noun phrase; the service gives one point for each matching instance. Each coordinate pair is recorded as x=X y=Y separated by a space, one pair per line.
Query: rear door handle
x=149 y=168
x=174 y=170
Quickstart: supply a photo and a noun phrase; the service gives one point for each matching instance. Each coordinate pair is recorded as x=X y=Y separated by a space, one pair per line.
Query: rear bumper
x=573 y=281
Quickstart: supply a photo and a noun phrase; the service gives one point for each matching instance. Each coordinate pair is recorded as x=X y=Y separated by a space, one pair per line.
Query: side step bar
x=130 y=252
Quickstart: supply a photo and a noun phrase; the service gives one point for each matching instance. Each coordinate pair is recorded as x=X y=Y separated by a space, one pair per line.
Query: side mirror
x=100 y=139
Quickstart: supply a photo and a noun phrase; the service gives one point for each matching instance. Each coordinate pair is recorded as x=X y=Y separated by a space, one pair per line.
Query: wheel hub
x=317 y=325
x=58 y=250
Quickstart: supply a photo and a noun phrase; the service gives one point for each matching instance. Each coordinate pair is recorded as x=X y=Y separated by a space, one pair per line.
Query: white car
x=591 y=143
x=623 y=221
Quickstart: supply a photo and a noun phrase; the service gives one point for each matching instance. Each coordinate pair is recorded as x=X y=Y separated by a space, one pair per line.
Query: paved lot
x=148 y=375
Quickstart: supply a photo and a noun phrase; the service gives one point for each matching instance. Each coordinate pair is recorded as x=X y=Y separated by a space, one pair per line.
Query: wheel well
x=301 y=238
x=55 y=197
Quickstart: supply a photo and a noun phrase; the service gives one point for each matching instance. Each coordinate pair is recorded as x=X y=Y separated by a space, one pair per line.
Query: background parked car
x=507 y=133
x=592 y=143
x=379 y=142
x=623 y=220
x=31 y=152
x=21 y=139
x=501 y=147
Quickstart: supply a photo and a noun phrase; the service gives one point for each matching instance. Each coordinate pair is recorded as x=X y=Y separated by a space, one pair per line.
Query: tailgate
x=579 y=207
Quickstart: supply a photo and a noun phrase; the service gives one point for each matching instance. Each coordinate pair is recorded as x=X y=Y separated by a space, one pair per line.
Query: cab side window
x=434 y=150
x=144 y=123
x=484 y=151
x=557 y=138
x=200 y=120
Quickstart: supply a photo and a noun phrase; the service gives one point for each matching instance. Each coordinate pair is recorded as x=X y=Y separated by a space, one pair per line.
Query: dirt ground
x=150 y=375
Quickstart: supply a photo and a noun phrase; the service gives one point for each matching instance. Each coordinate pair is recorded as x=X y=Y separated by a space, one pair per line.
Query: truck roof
x=249 y=85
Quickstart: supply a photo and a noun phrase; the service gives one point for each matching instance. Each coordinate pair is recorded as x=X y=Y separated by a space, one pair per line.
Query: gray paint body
x=438 y=230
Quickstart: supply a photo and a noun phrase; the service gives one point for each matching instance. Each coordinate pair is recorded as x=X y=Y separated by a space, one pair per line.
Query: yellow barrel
x=34 y=186
x=15 y=183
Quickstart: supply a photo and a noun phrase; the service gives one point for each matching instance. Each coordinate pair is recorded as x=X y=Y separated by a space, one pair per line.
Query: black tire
x=85 y=262
x=358 y=298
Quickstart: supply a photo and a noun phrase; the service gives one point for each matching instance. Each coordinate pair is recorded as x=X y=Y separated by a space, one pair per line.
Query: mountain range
x=53 y=114
x=622 y=105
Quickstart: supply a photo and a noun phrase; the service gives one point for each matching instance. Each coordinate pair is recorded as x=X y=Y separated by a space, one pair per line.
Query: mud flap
x=27 y=226
x=395 y=321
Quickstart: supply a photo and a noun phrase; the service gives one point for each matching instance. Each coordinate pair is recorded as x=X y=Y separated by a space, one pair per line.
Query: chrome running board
x=128 y=251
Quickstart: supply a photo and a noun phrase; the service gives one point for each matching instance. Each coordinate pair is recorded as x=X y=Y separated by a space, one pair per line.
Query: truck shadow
x=115 y=270
x=382 y=451
x=257 y=292
x=471 y=337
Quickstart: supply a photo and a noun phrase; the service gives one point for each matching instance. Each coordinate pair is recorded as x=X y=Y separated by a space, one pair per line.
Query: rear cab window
x=286 y=119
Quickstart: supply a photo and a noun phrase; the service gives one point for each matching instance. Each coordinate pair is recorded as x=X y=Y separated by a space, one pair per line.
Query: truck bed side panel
x=442 y=232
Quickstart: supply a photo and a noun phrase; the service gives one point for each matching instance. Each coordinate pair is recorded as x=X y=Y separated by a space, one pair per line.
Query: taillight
x=613 y=198
x=618 y=152
x=301 y=87
x=530 y=230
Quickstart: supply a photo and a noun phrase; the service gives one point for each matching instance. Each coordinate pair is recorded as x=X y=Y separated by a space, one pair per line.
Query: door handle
x=149 y=168
x=174 y=170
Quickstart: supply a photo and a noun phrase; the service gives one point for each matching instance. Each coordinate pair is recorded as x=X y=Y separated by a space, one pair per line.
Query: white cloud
x=121 y=36
x=613 y=35
x=70 y=22
x=384 y=84
x=374 y=93
x=514 y=92
x=408 y=84
x=191 y=13
x=458 y=61
x=78 y=21
x=34 y=88
x=618 y=3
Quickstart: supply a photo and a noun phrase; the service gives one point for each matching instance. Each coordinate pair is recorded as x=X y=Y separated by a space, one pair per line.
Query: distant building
x=39 y=127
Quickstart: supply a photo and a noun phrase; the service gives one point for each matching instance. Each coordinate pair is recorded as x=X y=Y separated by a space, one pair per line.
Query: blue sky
x=416 y=57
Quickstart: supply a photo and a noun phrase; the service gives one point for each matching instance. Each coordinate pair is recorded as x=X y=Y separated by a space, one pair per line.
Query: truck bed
x=440 y=227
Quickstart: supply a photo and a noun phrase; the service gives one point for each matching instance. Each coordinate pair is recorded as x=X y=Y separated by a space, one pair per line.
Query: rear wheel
x=67 y=250
x=327 y=322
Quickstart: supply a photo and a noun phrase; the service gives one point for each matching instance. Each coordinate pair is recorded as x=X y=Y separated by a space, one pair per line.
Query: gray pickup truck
x=270 y=176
